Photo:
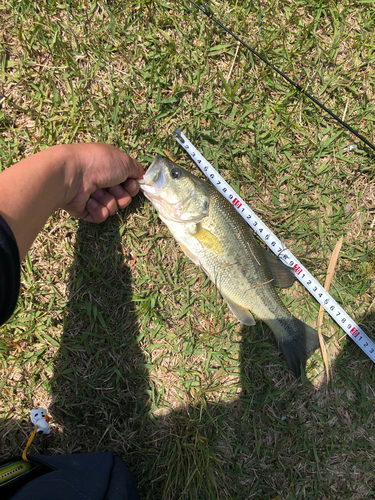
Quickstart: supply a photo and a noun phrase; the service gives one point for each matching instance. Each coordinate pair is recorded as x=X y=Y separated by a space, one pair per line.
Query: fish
x=216 y=238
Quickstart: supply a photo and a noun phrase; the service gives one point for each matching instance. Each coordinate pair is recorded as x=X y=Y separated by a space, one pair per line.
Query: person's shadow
x=102 y=391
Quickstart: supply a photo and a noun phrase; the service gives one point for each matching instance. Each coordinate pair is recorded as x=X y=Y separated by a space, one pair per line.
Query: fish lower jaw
x=147 y=189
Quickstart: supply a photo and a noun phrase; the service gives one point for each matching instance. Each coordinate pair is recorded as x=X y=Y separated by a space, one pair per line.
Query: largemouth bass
x=216 y=238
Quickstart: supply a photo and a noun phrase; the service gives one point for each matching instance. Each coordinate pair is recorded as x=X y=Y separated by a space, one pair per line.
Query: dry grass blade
x=234 y=60
x=327 y=284
x=346 y=109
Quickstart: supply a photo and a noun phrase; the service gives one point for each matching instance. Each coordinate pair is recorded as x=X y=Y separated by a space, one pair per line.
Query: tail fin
x=299 y=346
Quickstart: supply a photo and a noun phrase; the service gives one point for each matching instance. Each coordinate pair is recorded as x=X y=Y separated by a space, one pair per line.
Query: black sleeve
x=9 y=272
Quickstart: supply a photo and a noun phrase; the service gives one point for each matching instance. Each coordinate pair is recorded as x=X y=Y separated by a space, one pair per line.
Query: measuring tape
x=302 y=274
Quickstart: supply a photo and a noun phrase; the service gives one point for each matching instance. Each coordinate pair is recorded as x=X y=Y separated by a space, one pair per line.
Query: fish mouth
x=154 y=179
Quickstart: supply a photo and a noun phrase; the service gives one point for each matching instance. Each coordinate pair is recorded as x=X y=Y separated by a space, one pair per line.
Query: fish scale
x=241 y=257
x=243 y=272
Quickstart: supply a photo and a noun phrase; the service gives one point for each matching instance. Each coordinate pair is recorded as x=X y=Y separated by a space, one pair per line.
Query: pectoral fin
x=209 y=240
x=241 y=313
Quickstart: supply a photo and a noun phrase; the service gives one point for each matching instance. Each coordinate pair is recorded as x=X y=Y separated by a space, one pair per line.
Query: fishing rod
x=296 y=85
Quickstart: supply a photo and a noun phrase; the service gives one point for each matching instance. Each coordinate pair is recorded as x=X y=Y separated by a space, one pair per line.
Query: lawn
x=126 y=343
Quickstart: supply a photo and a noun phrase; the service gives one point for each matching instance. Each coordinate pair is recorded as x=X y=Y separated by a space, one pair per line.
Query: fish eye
x=175 y=173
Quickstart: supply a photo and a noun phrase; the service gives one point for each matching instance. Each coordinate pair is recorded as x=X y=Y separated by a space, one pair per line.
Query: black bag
x=90 y=476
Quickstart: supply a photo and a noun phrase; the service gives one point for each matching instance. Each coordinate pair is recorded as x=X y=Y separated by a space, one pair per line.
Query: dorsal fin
x=283 y=276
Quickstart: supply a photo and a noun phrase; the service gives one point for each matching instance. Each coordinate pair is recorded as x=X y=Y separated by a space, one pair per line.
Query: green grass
x=127 y=344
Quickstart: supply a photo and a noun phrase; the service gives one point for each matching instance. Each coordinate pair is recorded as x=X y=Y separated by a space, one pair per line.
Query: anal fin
x=241 y=313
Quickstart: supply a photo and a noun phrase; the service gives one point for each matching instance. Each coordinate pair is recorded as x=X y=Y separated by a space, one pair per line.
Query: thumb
x=134 y=169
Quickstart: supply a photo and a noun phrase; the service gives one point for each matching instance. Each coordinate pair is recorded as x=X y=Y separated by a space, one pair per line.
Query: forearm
x=31 y=190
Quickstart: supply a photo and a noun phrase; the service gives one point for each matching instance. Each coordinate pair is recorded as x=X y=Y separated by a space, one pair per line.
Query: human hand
x=100 y=179
x=90 y=181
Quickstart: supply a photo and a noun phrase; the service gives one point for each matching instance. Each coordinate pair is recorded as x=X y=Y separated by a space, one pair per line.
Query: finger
x=122 y=192
x=133 y=167
x=96 y=212
x=121 y=195
x=105 y=198
x=131 y=186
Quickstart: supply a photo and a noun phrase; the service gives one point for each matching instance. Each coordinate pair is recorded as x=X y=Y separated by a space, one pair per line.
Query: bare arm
x=91 y=181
